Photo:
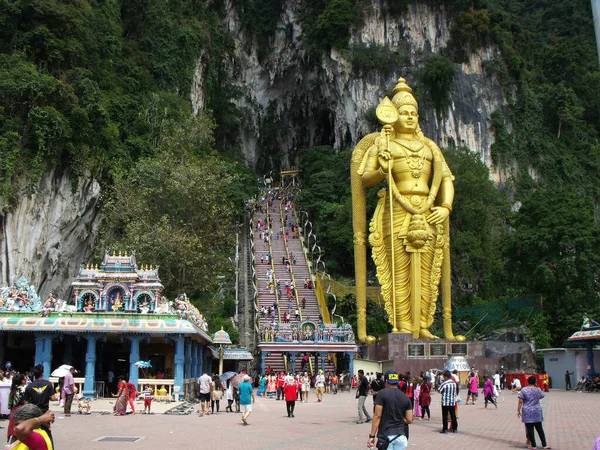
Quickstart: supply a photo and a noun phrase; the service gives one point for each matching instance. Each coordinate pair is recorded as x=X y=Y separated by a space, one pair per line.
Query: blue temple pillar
x=351 y=363
x=68 y=349
x=194 y=372
x=179 y=360
x=43 y=352
x=591 y=373
x=134 y=356
x=200 y=369
x=323 y=356
x=89 y=386
x=293 y=361
x=188 y=359
x=263 y=356
x=208 y=361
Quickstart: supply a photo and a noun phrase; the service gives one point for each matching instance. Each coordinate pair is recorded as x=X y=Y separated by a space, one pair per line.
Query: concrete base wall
x=485 y=356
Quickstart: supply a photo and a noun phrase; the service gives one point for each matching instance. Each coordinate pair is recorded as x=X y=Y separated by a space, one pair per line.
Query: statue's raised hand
x=384 y=157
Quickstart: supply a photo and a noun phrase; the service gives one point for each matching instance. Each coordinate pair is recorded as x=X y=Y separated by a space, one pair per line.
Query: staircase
x=278 y=217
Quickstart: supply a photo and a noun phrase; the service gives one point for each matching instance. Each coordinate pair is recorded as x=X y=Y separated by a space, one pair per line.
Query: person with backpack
x=393 y=413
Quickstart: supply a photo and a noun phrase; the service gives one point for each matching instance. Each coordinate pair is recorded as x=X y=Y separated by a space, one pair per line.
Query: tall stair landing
x=291 y=336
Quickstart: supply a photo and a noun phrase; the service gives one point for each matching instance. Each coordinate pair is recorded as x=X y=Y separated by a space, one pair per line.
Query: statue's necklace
x=415 y=161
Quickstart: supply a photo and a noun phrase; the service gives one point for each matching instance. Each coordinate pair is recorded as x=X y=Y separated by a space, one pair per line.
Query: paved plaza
x=571 y=423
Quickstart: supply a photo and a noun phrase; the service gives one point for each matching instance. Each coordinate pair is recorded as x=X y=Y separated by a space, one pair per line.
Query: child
x=147 y=399
x=83 y=404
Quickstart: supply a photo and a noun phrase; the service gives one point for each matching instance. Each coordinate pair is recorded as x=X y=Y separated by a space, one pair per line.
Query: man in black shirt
x=40 y=391
x=377 y=385
x=393 y=412
x=361 y=395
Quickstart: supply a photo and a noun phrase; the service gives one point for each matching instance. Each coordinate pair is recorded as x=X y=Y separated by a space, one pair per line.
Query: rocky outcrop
x=294 y=101
x=48 y=234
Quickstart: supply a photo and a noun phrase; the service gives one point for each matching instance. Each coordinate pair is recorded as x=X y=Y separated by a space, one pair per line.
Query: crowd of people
x=393 y=412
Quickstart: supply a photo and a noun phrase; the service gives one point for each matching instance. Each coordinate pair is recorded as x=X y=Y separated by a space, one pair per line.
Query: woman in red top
x=30 y=429
x=132 y=393
x=290 y=390
x=425 y=399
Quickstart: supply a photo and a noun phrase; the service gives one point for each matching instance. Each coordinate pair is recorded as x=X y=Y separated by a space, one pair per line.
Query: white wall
x=367 y=366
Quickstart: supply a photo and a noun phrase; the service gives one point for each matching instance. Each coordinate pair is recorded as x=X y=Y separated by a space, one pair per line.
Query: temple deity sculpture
x=409 y=231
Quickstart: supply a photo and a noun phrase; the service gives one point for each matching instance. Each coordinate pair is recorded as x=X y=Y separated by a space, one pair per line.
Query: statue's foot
x=458 y=338
x=368 y=340
x=425 y=334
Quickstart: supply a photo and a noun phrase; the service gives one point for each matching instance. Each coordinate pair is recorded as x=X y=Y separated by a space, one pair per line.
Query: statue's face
x=408 y=119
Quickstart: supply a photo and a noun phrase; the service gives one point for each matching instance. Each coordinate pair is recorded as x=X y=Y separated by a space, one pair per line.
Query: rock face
x=296 y=102
x=46 y=236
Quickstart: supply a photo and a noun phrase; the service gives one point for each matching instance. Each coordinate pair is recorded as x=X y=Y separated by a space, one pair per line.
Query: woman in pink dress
x=417 y=406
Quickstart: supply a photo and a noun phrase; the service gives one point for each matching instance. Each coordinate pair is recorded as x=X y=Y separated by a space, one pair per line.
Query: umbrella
x=237 y=380
x=226 y=376
x=143 y=365
x=61 y=371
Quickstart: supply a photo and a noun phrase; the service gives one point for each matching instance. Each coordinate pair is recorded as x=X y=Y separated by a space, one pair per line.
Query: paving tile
x=570 y=424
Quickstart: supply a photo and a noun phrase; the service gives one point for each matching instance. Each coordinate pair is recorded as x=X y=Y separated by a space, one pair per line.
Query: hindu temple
x=116 y=320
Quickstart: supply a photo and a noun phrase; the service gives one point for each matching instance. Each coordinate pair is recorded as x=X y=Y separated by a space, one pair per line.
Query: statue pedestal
x=401 y=352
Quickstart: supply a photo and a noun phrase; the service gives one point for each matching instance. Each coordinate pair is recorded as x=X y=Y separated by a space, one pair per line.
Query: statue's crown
x=403 y=95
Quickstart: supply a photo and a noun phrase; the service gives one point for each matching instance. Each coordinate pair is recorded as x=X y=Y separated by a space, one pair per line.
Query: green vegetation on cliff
x=539 y=238
x=101 y=88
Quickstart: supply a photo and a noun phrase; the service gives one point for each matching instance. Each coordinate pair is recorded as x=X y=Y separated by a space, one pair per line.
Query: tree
x=552 y=252
x=477 y=230
x=438 y=75
x=177 y=209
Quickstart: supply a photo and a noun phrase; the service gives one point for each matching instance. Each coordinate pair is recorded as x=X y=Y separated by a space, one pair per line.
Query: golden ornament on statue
x=386 y=112
x=409 y=232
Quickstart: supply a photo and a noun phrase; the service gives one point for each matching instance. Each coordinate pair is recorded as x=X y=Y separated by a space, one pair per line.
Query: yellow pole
x=221 y=351
x=390 y=181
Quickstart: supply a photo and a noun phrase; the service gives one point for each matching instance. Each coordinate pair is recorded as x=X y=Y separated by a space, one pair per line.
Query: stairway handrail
x=318 y=288
x=254 y=276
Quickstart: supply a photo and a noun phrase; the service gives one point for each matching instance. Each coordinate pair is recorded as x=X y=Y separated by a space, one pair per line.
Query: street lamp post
x=221 y=337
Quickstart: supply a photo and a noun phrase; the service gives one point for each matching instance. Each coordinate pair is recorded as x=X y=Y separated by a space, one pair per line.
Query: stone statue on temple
x=409 y=231
x=49 y=306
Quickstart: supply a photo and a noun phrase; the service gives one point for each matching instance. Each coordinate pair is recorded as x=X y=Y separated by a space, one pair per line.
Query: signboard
x=438 y=350
x=458 y=349
x=458 y=363
x=416 y=350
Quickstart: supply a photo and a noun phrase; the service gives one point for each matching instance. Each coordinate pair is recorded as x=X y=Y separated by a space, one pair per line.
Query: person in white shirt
x=204 y=391
x=497 y=381
x=320 y=386
x=516 y=385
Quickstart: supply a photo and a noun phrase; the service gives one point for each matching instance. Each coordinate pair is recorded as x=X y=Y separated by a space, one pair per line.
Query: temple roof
x=136 y=324
x=586 y=334
x=221 y=337
x=237 y=354
x=118 y=268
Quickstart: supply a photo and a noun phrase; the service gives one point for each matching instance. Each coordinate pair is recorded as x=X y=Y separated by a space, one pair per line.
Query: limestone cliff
x=47 y=235
x=294 y=101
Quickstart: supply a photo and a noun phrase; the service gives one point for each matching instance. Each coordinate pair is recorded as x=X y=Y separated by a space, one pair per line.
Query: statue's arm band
x=447 y=206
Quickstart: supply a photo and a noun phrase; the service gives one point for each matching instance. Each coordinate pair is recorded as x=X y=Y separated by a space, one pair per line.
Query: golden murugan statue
x=412 y=250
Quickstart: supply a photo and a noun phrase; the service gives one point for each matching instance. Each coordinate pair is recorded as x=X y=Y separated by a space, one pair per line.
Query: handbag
x=383 y=442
